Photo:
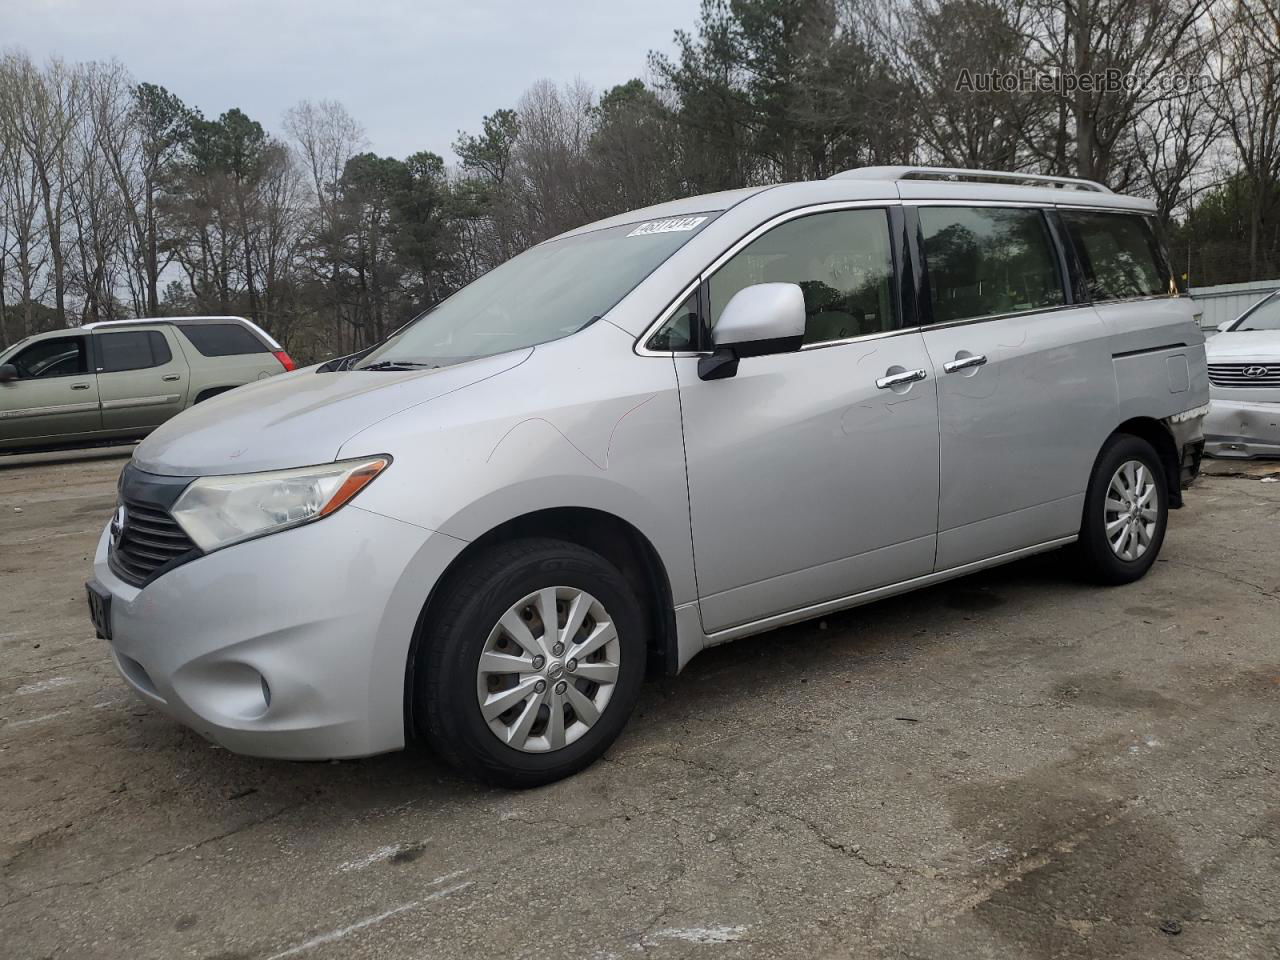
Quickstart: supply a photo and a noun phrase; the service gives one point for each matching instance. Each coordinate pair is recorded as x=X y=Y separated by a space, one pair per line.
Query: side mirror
x=759 y=320
x=8 y=373
x=1224 y=325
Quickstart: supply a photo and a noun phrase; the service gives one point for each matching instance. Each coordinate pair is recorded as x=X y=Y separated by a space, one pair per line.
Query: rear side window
x=841 y=260
x=131 y=350
x=1119 y=254
x=987 y=261
x=222 y=339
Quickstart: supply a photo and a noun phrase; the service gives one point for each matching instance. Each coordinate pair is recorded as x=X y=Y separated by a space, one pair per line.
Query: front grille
x=149 y=540
x=1244 y=374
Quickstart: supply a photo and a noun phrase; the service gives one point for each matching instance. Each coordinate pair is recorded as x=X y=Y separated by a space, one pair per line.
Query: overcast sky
x=414 y=72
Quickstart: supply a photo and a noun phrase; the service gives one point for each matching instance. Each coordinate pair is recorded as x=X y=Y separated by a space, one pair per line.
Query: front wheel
x=531 y=662
x=1126 y=511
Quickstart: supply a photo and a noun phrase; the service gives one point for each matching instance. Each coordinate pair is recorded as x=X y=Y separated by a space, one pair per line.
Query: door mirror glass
x=761 y=319
x=8 y=372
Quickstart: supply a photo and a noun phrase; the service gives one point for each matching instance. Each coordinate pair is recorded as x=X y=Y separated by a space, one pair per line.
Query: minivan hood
x=1245 y=345
x=300 y=418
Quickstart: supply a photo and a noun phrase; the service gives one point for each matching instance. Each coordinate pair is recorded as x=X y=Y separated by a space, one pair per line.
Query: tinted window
x=680 y=332
x=59 y=357
x=132 y=350
x=1119 y=255
x=841 y=260
x=985 y=261
x=222 y=339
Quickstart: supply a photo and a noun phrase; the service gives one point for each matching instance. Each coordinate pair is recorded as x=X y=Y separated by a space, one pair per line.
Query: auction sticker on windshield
x=674 y=225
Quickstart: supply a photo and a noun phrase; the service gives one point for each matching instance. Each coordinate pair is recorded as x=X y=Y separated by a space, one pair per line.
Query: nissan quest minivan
x=648 y=436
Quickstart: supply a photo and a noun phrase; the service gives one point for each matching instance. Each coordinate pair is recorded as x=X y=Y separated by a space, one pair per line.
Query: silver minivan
x=648 y=436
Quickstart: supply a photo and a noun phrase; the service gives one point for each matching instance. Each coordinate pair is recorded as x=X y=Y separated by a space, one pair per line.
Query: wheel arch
x=1158 y=435
x=617 y=540
x=209 y=392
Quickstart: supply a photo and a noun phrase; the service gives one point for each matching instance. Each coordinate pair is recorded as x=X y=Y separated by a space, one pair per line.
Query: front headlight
x=219 y=511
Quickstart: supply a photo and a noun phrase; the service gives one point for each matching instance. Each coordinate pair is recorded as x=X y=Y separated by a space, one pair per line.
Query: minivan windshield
x=1264 y=316
x=547 y=292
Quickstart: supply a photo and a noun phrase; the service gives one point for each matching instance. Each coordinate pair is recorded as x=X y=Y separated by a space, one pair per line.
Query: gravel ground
x=1012 y=765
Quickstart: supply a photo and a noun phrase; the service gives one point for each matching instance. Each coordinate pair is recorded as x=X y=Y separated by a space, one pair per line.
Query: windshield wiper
x=398 y=365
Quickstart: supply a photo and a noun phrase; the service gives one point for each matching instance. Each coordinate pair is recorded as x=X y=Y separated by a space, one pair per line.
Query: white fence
x=1227 y=301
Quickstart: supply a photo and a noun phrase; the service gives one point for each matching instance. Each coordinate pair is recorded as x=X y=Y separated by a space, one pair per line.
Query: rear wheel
x=531 y=662
x=1125 y=512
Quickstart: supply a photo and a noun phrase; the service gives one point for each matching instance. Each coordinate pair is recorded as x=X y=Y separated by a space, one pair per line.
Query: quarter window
x=842 y=261
x=680 y=332
x=132 y=350
x=222 y=339
x=986 y=261
x=1119 y=254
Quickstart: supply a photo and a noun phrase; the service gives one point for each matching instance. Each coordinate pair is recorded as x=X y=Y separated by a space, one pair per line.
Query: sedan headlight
x=219 y=511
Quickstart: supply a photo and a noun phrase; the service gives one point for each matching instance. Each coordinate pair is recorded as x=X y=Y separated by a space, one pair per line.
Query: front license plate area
x=99 y=610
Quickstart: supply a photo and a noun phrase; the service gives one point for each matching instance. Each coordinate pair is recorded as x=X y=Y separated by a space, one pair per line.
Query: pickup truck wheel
x=531 y=662
x=1126 y=511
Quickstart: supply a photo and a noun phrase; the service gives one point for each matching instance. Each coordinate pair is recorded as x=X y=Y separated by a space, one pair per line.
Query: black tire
x=454 y=635
x=1099 y=561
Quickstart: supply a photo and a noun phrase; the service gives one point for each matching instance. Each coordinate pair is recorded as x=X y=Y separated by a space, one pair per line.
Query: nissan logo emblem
x=117 y=524
x=1255 y=371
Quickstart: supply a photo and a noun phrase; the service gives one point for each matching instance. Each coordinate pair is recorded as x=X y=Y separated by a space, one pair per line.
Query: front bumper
x=293 y=645
x=1242 y=429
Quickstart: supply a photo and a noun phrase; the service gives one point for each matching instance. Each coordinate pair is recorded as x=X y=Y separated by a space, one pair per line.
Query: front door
x=1026 y=392
x=55 y=396
x=813 y=475
x=143 y=380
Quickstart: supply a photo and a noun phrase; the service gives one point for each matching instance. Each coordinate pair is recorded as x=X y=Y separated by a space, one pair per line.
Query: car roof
x=904 y=183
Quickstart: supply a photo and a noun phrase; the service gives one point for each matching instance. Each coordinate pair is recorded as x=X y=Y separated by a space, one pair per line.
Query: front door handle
x=898 y=379
x=170 y=377
x=79 y=386
x=964 y=363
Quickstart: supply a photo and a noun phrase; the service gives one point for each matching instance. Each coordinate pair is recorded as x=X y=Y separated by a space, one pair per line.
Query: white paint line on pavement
x=450 y=876
x=382 y=853
x=447 y=891
x=40 y=686
x=47 y=716
x=719 y=934
x=334 y=935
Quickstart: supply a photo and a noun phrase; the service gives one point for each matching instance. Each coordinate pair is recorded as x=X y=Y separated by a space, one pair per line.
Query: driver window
x=842 y=261
x=58 y=357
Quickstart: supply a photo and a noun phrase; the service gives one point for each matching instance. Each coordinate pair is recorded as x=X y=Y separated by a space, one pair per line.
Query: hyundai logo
x=117 y=524
x=1255 y=371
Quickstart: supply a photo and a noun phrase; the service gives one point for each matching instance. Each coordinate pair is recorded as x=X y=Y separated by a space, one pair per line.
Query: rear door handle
x=170 y=377
x=964 y=363
x=898 y=379
x=79 y=386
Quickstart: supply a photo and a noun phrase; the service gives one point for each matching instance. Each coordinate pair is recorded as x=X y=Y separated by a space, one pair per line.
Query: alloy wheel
x=1130 y=512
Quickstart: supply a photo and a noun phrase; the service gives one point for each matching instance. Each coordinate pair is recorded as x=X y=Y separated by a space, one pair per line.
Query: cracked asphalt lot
x=1012 y=765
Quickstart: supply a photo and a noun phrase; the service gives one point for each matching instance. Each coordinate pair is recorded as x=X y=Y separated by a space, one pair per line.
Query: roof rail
x=957 y=174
